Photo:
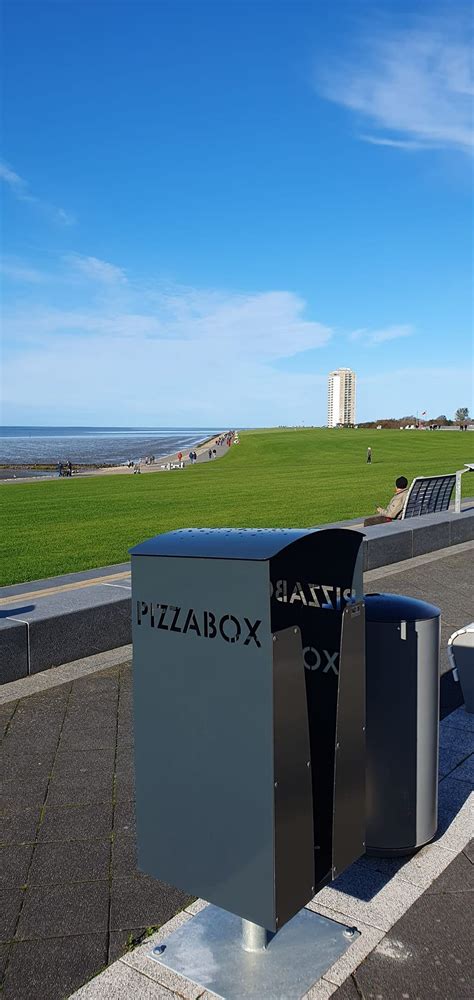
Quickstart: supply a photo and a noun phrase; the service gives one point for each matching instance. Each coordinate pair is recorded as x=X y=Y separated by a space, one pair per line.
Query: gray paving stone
x=460 y=719
x=348 y=991
x=196 y=906
x=140 y=960
x=56 y=911
x=88 y=737
x=122 y=941
x=121 y=982
x=458 y=877
x=450 y=758
x=22 y=794
x=26 y=766
x=421 y=869
x=359 y=949
x=469 y=851
x=11 y=901
x=79 y=789
x=143 y=901
x=51 y=969
x=77 y=861
x=458 y=739
x=366 y=896
x=4 y=953
x=465 y=771
x=14 y=864
x=124 y=818
x=19 y=826
x=454 y=814
x=76 y=823
x=427 y=954
x=84 y=762
x=124 y=856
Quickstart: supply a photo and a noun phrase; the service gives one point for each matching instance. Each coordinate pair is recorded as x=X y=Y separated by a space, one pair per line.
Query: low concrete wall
x=77 y=623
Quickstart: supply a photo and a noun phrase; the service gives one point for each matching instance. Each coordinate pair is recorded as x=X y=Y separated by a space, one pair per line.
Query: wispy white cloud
x=264 y=326
x=414 y=86
x=97 y=270
x=373 y=337
x=21 y=191
x=16 y=270
x=172 y=355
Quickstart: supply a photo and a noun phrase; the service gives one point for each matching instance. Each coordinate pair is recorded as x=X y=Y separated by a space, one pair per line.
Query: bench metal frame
x=432 y=494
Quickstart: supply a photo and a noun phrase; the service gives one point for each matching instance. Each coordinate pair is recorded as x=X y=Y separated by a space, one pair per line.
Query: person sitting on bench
x=394 y=509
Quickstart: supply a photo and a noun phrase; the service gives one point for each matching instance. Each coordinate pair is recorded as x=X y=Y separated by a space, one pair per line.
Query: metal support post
x=254 y=937
x=457 y=495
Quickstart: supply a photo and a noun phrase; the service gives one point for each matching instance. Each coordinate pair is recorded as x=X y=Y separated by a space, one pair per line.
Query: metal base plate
x=208 y=951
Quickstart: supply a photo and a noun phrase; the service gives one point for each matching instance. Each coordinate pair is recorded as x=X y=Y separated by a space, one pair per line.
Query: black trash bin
x=402 y=690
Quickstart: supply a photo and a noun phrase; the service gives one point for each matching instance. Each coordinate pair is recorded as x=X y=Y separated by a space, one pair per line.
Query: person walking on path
x=369 y=456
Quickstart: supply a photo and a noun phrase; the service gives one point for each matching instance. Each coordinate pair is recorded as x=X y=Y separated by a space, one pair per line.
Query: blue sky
x=207 y=206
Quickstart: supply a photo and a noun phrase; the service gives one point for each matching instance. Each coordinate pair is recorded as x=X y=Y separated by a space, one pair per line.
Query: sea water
x=95 y=445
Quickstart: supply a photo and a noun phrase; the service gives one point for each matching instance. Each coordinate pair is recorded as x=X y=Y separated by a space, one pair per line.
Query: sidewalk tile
x=450 y=758
x=121 y=942
x=465 y=771
x=196 y=907
x=77 y=861
x=76 y=822
x=357 y=951
x=4 y=953
x=28 y=766
x=18 y=795
x=140 y=960
x=455 y=814
x=469 y=851
x=427 y=954
x=51 y=969
x=79 y=789
x=366 y=896
x=124 y=855
x=18 y=826
x=143 y=901
x=323 y=989
x=421 y=869
x=55 y=911
x=14 y=864
x=120 y=982
x=124 y=817
x=85 y=762
x=459 y=719
x=458 y=878
x=461 y=740
x=11 y=901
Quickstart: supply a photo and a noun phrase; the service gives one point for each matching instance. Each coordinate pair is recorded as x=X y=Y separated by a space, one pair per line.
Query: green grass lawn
x=274 y=478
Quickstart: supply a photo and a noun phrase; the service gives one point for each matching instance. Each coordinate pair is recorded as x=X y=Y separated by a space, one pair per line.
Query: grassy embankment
x=274 y=478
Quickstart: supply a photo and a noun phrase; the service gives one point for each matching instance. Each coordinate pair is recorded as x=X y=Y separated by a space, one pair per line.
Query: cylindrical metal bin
x=402 y=690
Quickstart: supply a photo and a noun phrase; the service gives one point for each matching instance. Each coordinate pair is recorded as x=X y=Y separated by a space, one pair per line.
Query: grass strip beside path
x=274 y=478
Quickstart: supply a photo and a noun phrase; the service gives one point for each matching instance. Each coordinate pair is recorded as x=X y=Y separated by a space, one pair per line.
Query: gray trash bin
x=402 y=689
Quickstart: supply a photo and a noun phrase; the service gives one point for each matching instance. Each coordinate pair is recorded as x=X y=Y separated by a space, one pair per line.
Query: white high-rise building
x=341 y=397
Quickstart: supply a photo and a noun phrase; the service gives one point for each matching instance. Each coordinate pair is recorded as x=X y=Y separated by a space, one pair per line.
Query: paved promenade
x=73 y=901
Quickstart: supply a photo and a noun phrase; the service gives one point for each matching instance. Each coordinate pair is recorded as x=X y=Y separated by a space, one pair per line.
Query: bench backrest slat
x=428 y=495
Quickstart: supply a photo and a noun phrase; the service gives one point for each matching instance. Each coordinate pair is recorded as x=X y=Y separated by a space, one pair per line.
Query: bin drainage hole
x=160 y=948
